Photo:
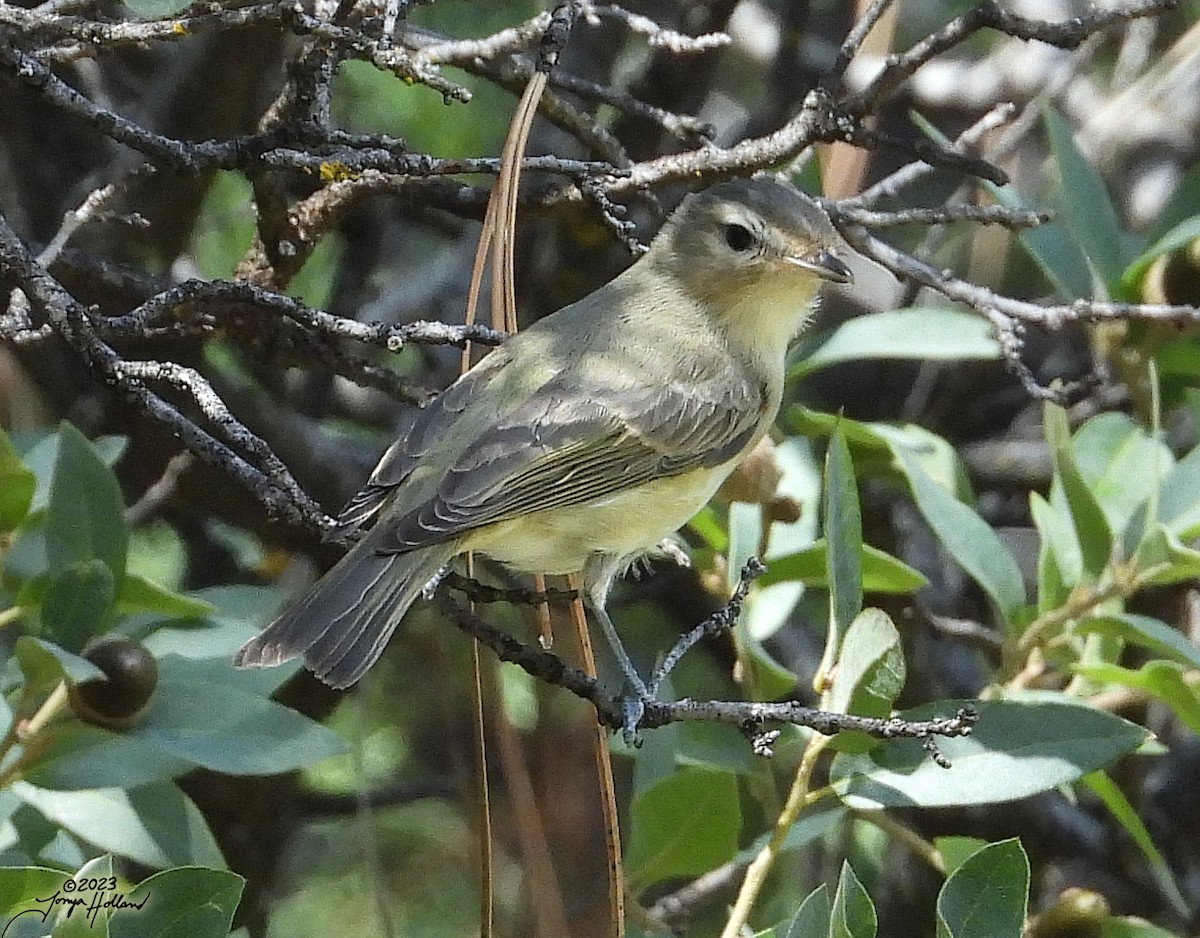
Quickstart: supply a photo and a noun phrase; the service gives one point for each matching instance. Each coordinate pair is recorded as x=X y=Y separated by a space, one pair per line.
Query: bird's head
x=754 y=252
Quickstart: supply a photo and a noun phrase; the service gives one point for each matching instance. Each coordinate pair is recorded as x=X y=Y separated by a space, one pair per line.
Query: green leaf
x=201 y=650
x=969 y=539
x=769 y=678
x=40 y=453
x=765 y=611
x=1017 y=749
x=1085 y=205
x=79 y=912
x=1179 y=496
x=853 y=913
x=881 y=572
x=713 y=746
x=1171 y=561
x=811 y=919
x=224 y=228
x=1130 y=927
x=226 y=729
x=1048 y=245
x=1118 y=805
x=141 y=595
x=843 y=536
x=17 y=484
x=1181 y=235
x=745 y=534
x=1122 y=466
x=956 y=851
x=708 y=526
x=1051 y=248
x=187 y=902
x=1144 y=631
x=85 y=519
x=870 y=670
x=44 y=664
x=1161 y=679
x=154 y=824
x=1057 y=538
x=876 y=446
x=900 y=334
x=683 y=825
x=77 y=602
x=78 y=756
x=22 y=886
x=986 y=897
x=1091 y=528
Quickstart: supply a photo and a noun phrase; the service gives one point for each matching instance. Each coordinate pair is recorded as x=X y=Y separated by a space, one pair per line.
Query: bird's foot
x=428 y=590
x=633 y=707
x=673 y=551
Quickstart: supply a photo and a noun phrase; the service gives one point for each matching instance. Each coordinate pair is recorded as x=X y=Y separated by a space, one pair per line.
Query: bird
x=583 y=441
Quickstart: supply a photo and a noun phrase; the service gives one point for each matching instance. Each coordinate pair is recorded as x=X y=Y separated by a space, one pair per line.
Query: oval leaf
x=155 y=824
x=812 y=918
x=1183 y=233
x=86 y=516
x=1086 y=207
x=77 y=602
x=881 y=572
x=969 y=539
x=1017 y=749
x=1146 y=632
x=22 y=886
x=44 y=664
x=853 y=913
x=141 y=595
x=79 y=756
x=187 y=902
x=870 y=669
x=987 y=896
x=843 y=535
x=228 y=730
x=902 y=334
x=1092 y=532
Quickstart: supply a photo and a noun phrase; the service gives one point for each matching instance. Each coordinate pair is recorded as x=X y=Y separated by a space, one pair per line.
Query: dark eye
x=738 y=237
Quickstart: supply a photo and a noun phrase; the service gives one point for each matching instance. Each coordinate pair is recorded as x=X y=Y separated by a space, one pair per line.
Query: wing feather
x=577 y=450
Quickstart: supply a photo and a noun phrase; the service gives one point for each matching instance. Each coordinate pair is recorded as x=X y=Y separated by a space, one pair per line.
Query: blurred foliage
x=85 y=770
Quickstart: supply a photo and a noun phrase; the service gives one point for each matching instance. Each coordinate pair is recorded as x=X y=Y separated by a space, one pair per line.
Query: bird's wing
x=419 y=443
x=566 y=448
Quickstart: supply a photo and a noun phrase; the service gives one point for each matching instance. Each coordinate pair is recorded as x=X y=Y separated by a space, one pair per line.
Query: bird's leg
x=634 y=697
x=632 y=678
x=598 y=578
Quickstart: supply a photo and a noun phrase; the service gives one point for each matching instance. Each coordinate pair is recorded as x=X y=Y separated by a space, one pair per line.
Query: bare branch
x=549 y=667
x=990 y=15
x=270 y=481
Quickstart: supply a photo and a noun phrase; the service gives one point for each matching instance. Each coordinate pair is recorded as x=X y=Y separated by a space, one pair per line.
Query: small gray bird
x=585 y=440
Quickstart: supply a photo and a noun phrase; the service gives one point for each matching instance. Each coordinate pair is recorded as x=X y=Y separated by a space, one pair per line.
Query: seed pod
x=118 y=699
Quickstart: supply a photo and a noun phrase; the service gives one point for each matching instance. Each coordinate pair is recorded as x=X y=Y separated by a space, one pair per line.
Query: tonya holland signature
x=103 y=897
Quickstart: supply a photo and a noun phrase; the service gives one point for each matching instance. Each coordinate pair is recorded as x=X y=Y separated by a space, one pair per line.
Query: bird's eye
x=738 y=237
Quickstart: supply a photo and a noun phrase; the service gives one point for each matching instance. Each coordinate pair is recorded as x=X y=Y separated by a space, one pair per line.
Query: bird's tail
x=343 y=624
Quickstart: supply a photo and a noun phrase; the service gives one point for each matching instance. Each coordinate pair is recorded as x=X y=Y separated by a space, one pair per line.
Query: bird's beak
x=824 y=264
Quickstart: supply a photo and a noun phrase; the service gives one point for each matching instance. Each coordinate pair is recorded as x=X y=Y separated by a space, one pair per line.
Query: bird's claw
x=633 y=707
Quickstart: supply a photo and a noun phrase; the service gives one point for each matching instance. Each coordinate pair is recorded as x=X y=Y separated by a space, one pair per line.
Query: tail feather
x=343 y=624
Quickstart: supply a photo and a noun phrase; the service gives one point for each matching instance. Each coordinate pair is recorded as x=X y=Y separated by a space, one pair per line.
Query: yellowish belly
x=628 y=523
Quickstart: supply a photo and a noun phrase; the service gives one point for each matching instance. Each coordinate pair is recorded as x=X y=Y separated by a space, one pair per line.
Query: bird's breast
x=625 y=524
